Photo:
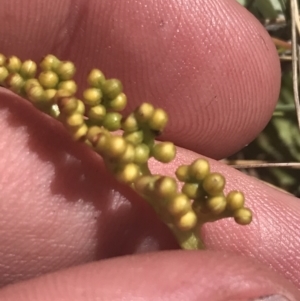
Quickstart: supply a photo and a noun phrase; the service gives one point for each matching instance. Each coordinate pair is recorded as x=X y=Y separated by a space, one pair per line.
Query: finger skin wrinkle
x=73 y=27
x=209 y=276
x=35 y=228
x=272 y=237
x=36 y=16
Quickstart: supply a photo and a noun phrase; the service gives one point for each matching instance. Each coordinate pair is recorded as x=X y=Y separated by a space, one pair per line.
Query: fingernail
x=271 y=298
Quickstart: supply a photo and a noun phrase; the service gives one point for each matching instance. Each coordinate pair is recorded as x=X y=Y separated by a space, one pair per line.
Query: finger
x=59 y=205
x=273 y=236
x=161 y=276
x=210 y=64
x=60 y=208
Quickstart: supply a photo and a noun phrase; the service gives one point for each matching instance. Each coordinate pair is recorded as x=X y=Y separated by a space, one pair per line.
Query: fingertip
x=229 y=95
x=210 y=64
x=177 y=275
x=273 y=235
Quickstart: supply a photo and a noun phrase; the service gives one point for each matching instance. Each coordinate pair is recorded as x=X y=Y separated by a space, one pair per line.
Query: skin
x=62 y=216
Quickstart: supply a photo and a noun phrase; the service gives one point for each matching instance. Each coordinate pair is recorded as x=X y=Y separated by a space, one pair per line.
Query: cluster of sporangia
x=95 y=119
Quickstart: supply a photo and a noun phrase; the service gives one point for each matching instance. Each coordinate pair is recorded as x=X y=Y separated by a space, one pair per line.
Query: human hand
x=214 y=69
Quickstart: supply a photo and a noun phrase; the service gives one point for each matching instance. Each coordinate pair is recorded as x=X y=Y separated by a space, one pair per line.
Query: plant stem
x=189 y=240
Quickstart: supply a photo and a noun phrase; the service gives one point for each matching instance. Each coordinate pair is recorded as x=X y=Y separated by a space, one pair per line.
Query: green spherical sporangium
x=190 y=190
x=13 y=64
x=74 y=120
x=165 y=187
x=216 y=204
x=48 y=79
x=214 y=184
x=15 y=82
x=28 y=69
x=179 y=205
x=92 y=133
x=143 y=184
x=112 y=121
x=141 y=153
x=96 y=78
x=92 y=96
x=36 y=94
x=68 y=85
x=129 y=173
x=63 y=93
x=80 y=108
x=111 y=88
x=158 y=120
x=2 y=60
x=31 y=83
x=100 y=142
x=187 y=221
x=144 y=112
x=129 y=154
x=50 y=95
x=182 y=173
x=135 y=137
x=65 y=70
x=130 y=124
x=164 y=152
x=199 y=169
x=67 y=104
x=118 y=103
x=235 y=200
x=80 y=133
x=243 y=216
x=3 y=74
x=97 y=113
x=116 y=147
x=49 y=62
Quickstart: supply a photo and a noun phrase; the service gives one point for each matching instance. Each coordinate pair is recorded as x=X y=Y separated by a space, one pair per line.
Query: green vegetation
x=126 y=143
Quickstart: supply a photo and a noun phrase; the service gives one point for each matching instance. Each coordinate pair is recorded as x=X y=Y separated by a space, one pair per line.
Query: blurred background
x=274 y=156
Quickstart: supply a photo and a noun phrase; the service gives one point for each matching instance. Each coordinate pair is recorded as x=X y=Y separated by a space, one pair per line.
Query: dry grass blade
x=274 y=156
x=241 y=164
x=281 y=43
x=286 y=58
x=295 y=54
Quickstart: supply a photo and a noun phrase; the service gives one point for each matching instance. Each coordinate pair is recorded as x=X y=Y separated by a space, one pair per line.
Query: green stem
x=145 y=170
x=285 y=108
x=189 y=240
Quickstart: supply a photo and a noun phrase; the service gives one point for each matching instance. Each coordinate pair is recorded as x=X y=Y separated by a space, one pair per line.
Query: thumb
x=208 y=63
x=172 y=275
